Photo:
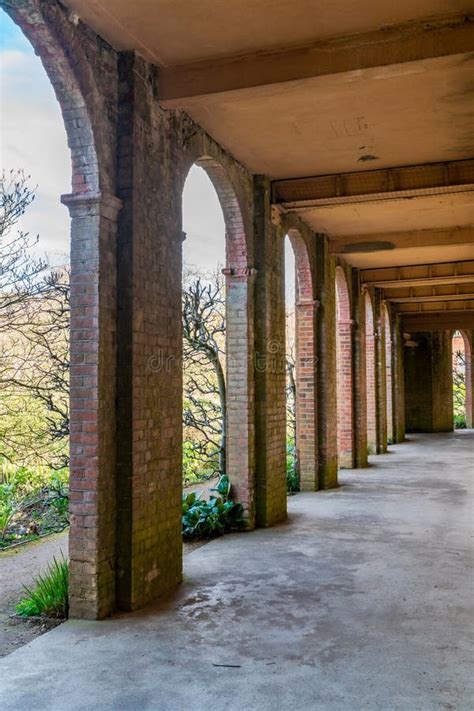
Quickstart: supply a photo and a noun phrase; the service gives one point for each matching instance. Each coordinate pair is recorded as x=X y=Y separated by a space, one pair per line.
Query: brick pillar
x=380 y=375
x=389 y=374
x=398 y=372
x=325 y=283
x=360 y=375
x=269 y=363
x=92 y=404
x=240 y=451
x=371 y=375
x=306 y=406
x=345 y=415
x=428 y=382
x=149 y=382
x=442 y=381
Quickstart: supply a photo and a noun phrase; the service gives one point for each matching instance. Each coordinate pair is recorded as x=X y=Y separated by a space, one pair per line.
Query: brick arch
x=50 y=29
x=240 y=429
x=344 y=369
x=469 y=378
x=305 y=361
x=236 y=241
x=93 y=210
x=304 y=279
x=370 y=365
x=388 y=372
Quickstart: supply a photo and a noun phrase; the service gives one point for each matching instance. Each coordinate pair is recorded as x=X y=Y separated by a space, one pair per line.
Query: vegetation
x=33 y=502
x=204 y=412
x=206 y=518
x=49 y=596
x=34 y=378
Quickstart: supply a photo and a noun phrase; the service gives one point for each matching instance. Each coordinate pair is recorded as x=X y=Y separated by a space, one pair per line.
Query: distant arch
x=239 y=277
x=345 y=410
x=462 y=370
x=305 y=362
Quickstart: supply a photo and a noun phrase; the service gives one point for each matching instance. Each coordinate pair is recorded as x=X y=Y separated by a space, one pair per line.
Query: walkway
x=361 y=601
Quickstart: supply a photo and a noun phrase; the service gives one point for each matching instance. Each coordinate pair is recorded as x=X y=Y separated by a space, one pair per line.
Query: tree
x=19 y=271
x=459 y=387
x=34 y=340
x=204 y=370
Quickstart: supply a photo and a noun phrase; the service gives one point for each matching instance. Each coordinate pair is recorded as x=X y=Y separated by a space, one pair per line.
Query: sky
x=33 y=138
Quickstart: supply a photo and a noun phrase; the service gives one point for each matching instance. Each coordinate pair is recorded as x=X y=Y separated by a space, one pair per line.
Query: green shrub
x=459 y=422
x=49 y=596
x=203 y=518
x=7 y=511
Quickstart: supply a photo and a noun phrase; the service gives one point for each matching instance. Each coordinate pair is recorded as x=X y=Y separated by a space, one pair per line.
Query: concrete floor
x=361 y=601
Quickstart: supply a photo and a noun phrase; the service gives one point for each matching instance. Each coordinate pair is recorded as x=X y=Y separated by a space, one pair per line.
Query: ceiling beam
x=428 y=299
x=411 y=42
x=375 y=185
x=419 y=275
x=439 y=306
x=356 y=244
x=449 y=320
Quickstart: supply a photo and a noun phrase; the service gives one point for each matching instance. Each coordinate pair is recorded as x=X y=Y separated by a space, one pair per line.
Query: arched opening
x=218 y=297
x=93 y=211
x=462 y=380
x=345 y=430
x=300 y=307
x=370 y=375
x=388 y=373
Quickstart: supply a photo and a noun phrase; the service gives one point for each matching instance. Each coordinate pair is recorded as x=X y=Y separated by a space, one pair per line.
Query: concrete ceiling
x=327 y=124
x=317 y=88
x=175 y=32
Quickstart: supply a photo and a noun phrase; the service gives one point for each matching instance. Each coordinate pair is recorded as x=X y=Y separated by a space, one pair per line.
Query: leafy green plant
x=459 y=422
x=292 y=476
x=203 y=518
x=7 y=511
x=49 y=596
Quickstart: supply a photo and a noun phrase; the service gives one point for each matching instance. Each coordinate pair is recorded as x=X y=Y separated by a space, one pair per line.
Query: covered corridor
x=362 y=600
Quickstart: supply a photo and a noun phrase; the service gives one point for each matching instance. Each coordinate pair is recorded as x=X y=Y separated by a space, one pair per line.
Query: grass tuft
x=49 y=596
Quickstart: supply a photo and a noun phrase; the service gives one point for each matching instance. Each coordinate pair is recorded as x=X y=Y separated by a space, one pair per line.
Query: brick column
x=380 y=375
x=92 y=404
x=360 y=376
x=269 y=363
x=326 y=351
x=240 y=429
x=306 y=406
x=398 y=381
x=345 y=415
x=389 y=374
x=371 y=374
x=442 y=381
x=428 y=382
x=149 y=342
